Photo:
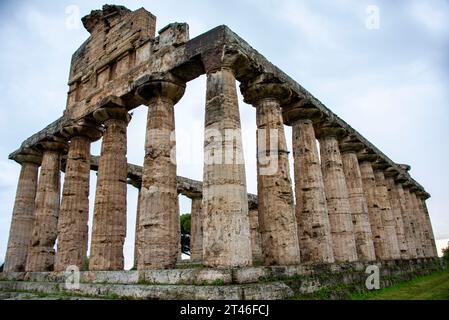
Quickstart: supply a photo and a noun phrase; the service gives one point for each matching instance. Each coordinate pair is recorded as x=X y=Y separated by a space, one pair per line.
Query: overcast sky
x=390 y=83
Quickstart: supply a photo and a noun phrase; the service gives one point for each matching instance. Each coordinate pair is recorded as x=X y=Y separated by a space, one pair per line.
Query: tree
x=1 y=267
x=185 y=233
x=446 y=254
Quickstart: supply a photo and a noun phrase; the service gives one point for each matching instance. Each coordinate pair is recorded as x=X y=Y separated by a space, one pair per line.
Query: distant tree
x=1 y=267
x=185 y=233
x=446 y=254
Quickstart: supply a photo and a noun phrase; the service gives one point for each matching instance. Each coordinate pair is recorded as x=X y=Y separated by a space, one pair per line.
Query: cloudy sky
x=388 y=80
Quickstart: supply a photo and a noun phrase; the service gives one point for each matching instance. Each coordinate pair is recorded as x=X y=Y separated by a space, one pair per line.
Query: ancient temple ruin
x=350 y=204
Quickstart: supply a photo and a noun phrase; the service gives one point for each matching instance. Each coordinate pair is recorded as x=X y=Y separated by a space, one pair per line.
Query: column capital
x=408 y=185
x=392 y=172
x=380 y=165
x=421 y=194
x=54 y=143
x=303 y=111
x=85 y=128
x=28 y=155
x=404 y=167
x=400 y=178
x=328 y=129
x=160 y=86
x=367 y=155
x=350 y=144
x=265 y=86
x=111 y=108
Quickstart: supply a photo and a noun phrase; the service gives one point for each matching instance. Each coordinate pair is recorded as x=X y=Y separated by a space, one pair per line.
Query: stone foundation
x=252 y=283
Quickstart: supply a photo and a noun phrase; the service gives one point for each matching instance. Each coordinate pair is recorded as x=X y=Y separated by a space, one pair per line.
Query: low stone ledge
x=277 y=282
x=274 y=291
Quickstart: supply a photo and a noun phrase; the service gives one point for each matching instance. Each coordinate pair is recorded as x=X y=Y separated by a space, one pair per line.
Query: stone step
x=269 y=291
x=6 y=295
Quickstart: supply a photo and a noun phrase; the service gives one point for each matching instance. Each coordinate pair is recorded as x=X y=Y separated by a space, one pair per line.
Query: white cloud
x=432 y=17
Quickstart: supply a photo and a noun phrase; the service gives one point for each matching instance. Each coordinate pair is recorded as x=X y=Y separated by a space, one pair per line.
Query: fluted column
x=421 y=221
x=41 y=254
x=136 y=233
x=396 y=208
x=23 y=213
x=414 y=224
x=277 y=220
x=389 y=223
x=256 y=239
x=419 y=224
x=430 y=237
x=408 y=231
x=375 y=215
x=357 y=201
x=74 y=214
x=109 y=224
x=226 y=234
x=314 y=231
x=337 y=195
x=196 y=232
x=159 y=219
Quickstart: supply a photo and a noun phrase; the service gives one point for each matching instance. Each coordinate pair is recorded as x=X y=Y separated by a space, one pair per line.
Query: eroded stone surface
x=159 y=230
x=414 y=223
x=109 y=223
x=41 y=253
x=375 y=215
x=23 y=215
x=388 y=219
x=277 y=220
x=396 y=208
x=406 y=219
x=74 y=214
x=337 y=200
x=359 y=208
x=226 y=230
x=196 y=237
x=314 y=231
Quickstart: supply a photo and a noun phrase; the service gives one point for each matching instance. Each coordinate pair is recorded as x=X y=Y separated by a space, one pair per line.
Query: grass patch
x=431 y=287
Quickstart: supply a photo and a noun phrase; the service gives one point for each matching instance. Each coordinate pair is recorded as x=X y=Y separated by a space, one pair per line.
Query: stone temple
x=351 y=205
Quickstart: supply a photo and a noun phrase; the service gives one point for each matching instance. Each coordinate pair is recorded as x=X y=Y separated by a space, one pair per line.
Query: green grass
x=431 y=287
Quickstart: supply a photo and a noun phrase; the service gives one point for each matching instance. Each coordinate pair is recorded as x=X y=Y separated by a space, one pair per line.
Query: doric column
x=159 y=221
x=357 y=201
x=374 y=212
x=422 y=221
x=23 y=213
x=414 y=224
x=41 y=254
x=196 y=230
x=408 y=232
x=396 y=208
x=314 y=230
x=277 y=220
x=256 y=239
x=430 y=238
x=74 y=214
x=136 y=233
x=226 y=234
x=419 y=224
x=389 y=224
x=109 y=224
x=337 y=194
